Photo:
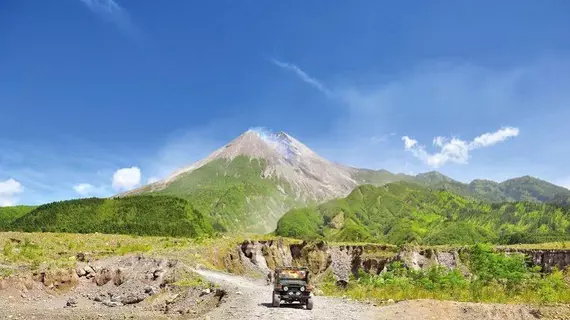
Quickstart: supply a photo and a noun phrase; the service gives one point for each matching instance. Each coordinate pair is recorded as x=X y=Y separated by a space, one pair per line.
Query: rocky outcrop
x=546 y=259
x=342 y=261
x=346 y=260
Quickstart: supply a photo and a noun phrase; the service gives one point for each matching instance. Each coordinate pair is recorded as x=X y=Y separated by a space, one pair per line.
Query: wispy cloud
x=89 y=190
x=303 y=76
x=456 y=150
x=152 y=180
x=111 y=11
x=383 y=137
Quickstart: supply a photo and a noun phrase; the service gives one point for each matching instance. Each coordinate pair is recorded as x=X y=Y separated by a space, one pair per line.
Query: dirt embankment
x=344 y=260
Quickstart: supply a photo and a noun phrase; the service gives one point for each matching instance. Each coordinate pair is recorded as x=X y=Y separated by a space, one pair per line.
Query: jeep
x=291 y=284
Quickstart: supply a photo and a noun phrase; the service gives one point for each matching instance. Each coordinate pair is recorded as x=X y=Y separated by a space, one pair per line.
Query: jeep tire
x=276 y=300
x=310 y=304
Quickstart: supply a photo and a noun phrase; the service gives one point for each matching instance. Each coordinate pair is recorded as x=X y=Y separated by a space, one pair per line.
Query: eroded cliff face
x=341 y=260
x=346 y=260
x=546 y=259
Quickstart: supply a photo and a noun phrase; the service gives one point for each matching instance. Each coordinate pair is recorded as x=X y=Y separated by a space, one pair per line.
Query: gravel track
x=251 y=299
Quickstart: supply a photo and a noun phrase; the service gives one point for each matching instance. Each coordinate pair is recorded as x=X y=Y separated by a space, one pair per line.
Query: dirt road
x=251 y=299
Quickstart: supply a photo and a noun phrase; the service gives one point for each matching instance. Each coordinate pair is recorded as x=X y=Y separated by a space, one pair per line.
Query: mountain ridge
x=405 y=212
x=250 y=182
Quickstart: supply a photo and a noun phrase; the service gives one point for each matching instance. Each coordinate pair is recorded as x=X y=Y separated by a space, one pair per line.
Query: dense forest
x=139 y=215
x=404 y=212
x=9 y=214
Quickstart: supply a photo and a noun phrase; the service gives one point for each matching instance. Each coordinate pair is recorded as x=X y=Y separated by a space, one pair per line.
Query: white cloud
x=489 y=139
x=8 y=191
x=409 y=143
x=303 y=75
x=84 y=189
x=456 y=150
x=126 y=178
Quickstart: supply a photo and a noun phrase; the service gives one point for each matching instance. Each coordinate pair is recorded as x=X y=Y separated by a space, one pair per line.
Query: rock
x=81 y=272
x=89 y=270
x=172 y=299
x=149 y=290
x=238 y=292
x=390 y=301
x=112 y=304
x=104 y=276
x=119 y=277
x=101 y=298
x=133 y=298
x=205 y=292
x=71 y=302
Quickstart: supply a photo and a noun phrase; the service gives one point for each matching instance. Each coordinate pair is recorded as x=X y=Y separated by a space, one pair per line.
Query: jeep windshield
x=293 y=274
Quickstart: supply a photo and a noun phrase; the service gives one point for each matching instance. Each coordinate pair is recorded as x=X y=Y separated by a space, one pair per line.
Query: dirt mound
x=122 y=281
x=110 y=287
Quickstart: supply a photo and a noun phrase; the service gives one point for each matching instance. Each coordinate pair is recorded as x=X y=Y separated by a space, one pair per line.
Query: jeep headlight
x=285 y=288
x=302 y=289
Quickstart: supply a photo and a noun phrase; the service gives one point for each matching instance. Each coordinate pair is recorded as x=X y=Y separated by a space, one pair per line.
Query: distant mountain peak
x=285 y=158
x=434 y=176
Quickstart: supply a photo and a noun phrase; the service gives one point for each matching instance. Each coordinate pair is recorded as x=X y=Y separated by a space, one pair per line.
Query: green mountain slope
x=234 y=194
x=141 y=215
x=9 y=214
x=404 y=212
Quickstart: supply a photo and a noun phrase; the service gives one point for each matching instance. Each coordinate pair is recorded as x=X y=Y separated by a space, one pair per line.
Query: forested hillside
x=140 y=215
x=404 y=212
x=9 y=214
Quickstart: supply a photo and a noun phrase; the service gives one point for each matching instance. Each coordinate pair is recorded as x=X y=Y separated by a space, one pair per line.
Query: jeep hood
x=287 y=282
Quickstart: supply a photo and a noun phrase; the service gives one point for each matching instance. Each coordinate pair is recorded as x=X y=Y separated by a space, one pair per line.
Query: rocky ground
x=114 y=288
x=138 y=287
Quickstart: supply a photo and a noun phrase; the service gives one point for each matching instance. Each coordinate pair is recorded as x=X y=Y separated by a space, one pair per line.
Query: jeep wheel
x=276 y=300
x=310 y=304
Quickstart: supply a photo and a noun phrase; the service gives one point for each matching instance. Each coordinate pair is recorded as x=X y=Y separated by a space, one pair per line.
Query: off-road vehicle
x=291 y=284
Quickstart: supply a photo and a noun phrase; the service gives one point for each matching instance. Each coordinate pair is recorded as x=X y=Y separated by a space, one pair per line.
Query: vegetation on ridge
x=404 y=212
x=9 y=214
x=140 y=215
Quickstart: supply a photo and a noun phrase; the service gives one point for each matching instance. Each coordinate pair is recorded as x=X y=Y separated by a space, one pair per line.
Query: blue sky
x=98 y=96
